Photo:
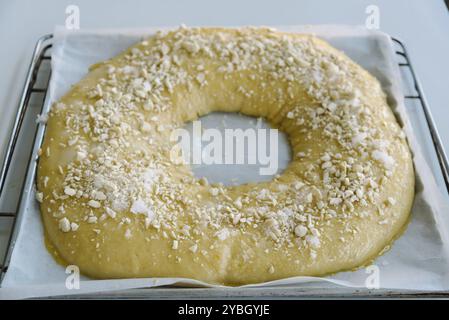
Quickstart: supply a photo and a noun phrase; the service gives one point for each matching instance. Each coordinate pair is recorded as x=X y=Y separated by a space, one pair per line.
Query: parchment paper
x=417 y=260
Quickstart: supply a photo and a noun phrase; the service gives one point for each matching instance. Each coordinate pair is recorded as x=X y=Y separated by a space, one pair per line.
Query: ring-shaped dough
x=115 y=204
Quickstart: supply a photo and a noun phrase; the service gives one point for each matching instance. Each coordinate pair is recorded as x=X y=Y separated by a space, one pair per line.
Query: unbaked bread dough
x=114 y=203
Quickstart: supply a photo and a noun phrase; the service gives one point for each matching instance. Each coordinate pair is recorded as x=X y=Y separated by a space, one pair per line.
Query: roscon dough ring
x=114 y=204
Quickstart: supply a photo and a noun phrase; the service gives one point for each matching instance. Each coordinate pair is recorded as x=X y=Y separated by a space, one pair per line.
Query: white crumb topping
x=69 y=191
x=94 y=204
x=42 y=118
x=384 y=158
x=39 y=196
x=64 y=225
x=223 y=234
x=300 y=231
x=74 y=226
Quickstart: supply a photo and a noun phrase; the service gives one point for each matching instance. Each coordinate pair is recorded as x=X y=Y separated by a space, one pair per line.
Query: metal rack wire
x=439 y=149
x=41 y=55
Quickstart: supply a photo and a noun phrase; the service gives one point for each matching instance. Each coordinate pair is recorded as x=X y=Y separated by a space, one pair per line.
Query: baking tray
x=33 y=101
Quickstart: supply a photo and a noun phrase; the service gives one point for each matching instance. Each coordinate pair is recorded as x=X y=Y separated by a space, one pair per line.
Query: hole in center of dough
x=234 y=149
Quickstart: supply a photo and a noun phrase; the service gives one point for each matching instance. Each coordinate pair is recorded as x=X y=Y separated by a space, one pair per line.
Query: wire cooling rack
x=34 y=92
x=36 y=87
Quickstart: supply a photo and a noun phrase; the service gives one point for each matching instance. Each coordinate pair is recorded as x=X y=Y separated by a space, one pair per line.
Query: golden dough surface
x=114 y=203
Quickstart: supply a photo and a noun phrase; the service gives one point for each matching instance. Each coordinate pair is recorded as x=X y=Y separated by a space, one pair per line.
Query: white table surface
x=423 y=25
